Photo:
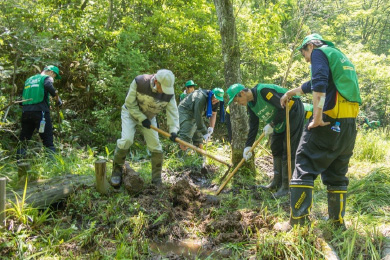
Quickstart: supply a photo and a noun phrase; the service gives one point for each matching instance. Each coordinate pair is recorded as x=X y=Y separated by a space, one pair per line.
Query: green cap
x=54 y=69
x=314 y=36
x=190 y=83
x=233 y=90
x=218 y=93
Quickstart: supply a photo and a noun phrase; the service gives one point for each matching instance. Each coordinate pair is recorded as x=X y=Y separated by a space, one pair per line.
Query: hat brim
x=219 y=98
x=231 y=100
x=191 y=86
x=329 y=43
x=167 y=90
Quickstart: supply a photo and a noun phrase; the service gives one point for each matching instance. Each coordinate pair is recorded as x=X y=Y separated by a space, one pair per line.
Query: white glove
x=210 y=130
x=246 y=154
x=206 y=137
x=268 y=129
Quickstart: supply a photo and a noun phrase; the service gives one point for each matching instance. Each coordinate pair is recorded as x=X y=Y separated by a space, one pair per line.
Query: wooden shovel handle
x=288 y=142
x=239 y=165
x=197 y=149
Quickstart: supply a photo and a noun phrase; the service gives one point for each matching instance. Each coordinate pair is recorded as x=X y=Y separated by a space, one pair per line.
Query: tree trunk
x=110 y=14
x=2 y=200
x=231 y=57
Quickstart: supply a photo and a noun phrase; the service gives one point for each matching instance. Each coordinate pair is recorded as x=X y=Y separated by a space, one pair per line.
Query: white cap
x=166 y=79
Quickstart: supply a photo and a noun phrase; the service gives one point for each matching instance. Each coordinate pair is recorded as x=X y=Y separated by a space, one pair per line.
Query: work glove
x=210 y=130
x=206 y=137
x=268 y=129
x=173 y=137
x=59 y=102
x=246 y=154
x=146 y=123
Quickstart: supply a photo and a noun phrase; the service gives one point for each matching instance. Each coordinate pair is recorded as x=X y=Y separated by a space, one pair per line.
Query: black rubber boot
x=277 y=180
x=119 y=160
x=337 y=198
x=301 y=201
x=157 y=162
x=21 y=154
x=283 y=190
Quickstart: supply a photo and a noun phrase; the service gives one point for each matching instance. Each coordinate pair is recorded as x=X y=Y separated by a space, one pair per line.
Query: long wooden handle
x=239 y=165
x=288 y=142
x=197 y=149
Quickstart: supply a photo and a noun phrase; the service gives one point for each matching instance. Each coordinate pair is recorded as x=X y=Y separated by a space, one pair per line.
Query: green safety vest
x=343 y=73
x=182 y=96
x=308 y=110
x=34 y=89
x=264 y=110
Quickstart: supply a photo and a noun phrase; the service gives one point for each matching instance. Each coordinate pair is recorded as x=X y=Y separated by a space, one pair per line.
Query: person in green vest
x=36 y=108
x=263 y=102
x=329 y=137
x=191 y=110
x=190 y=87
x=367 y=124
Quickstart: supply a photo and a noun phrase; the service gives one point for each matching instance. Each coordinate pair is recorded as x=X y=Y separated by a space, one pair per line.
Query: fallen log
x=43 y=193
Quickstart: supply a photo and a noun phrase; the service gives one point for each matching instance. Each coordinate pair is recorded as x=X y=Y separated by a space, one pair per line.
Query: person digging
x=191 y=111
x=148 y=95
x=263 y=102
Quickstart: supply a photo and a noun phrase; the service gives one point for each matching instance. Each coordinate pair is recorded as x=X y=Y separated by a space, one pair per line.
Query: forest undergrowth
x=184 y=219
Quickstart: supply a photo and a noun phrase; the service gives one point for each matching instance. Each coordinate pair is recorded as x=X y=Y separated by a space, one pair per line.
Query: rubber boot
x=157 y=162
x=51 y=151
x=283 y=190
x=277 y=181
x=117 y=165
x=21 y=155
x=337 y=198
x=301 y=201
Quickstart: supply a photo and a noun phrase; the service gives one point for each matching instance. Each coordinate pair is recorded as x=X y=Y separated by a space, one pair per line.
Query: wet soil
x=185 y=210
x=184 y=219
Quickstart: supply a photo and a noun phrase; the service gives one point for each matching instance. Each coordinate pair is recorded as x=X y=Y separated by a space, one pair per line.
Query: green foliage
x=371 y=146
x=369 y=195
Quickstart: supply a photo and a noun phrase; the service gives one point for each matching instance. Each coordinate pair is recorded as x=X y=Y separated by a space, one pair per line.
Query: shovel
x=204 y=169
x=197 y=149
x=288 y=142
x=239 y=165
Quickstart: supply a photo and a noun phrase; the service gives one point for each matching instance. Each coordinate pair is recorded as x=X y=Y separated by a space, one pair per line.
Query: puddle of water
x=190 y=249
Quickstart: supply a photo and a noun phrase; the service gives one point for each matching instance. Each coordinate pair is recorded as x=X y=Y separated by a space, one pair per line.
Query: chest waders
x=347 y=107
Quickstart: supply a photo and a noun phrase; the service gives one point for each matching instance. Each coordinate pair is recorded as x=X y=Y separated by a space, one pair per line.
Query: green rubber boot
x=119 y=160
x=157 y=162
x=283 y=190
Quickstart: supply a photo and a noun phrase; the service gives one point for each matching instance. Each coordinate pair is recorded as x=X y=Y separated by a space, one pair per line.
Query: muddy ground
x=186 y=204
x=183 y=209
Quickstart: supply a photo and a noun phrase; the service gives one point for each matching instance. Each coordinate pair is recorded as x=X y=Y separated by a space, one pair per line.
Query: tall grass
x=372 y=145
x=371 y=194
